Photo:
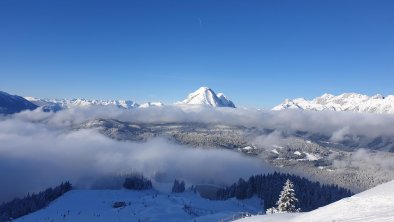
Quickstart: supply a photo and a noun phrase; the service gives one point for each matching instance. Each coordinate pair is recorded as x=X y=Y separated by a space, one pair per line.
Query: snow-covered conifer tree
x=287 y=199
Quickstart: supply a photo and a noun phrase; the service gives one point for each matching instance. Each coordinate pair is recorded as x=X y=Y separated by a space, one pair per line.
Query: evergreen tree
x=310 y=195
x=287 y=199
x=241 y=189
x=178 y=187
x=137 y=182
x=31 y=203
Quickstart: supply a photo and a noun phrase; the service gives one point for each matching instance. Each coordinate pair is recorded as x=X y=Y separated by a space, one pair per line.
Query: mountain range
x=57 y=104
x=352 y=102
x=202 y=96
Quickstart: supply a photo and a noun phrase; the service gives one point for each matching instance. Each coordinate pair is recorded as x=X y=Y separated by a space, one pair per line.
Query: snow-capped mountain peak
x=353 y=102
x=206 y=96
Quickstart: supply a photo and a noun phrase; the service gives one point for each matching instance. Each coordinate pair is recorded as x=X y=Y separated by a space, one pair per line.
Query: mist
x=38 y=150
x=332 y=124
x=41 y=149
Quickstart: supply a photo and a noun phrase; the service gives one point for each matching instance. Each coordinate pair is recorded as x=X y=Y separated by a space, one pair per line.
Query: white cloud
x=35 y=155
x=40 y=149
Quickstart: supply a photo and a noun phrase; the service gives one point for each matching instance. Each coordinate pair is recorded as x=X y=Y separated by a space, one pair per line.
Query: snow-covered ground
x=374 y=205
x=97 y=205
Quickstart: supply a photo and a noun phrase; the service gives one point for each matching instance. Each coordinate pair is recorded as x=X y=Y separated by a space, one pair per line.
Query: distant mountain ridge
x=203 y=96
x=57 y=104
x=206 y=96
x=352 y=102
x=10 y=104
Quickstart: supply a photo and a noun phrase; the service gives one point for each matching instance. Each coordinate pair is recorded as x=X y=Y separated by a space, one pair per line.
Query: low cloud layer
x=39 y=149
x=330 y=123
x=363 y=159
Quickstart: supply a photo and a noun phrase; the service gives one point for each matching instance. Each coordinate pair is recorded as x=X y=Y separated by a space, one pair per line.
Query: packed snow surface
x=373 y=205
x=353 y=102
x=97 y=205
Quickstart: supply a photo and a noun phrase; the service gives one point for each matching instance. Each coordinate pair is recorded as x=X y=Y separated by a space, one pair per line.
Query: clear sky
x=257 y=52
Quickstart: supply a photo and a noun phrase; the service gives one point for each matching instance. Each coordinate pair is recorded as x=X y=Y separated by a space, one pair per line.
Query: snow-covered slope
x=345 y=102
x=56 y=104
x=225 y=101
x=97 y=205
x=10 y=104
x=376 y=204
x=206 y=96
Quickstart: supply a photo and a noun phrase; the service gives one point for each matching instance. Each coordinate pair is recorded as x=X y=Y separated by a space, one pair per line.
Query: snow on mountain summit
x=352 y=102
x=206 y=96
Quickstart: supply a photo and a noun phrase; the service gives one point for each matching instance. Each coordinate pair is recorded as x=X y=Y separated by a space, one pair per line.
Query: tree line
x=310 y=195
x=31 y=203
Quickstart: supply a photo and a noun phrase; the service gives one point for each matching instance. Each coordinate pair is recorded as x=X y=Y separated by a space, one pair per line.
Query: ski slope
x=374 y=205
x=97 y=205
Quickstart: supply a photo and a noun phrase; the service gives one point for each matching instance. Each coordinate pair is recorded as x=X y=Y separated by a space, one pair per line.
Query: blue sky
x=257 y=52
